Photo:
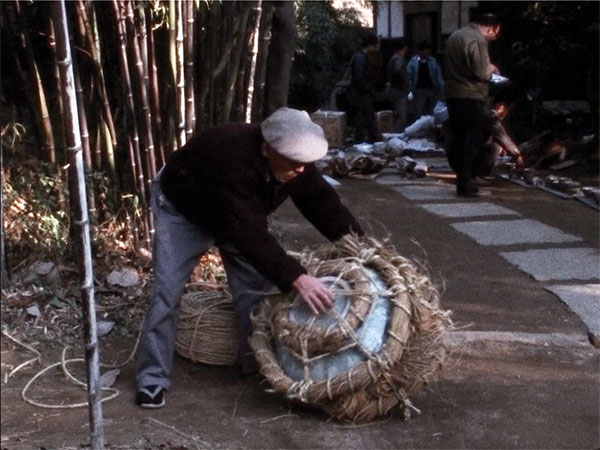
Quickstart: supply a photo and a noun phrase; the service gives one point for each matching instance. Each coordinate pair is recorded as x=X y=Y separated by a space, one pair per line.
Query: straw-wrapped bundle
x=207 y=330
x=381 y=342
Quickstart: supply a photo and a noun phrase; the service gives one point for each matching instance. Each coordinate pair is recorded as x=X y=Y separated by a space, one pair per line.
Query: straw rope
x=412 y=353
x=207 y=329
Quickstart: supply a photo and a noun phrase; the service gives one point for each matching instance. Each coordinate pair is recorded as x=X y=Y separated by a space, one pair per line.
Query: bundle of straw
x=410 y=356
x=207 y=330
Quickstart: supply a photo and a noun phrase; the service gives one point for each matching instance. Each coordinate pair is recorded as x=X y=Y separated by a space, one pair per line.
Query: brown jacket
x=221 y=181
x=467 y=64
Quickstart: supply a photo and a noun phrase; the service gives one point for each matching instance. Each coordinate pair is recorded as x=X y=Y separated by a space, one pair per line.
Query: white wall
x=390 y=13
x=455 y=15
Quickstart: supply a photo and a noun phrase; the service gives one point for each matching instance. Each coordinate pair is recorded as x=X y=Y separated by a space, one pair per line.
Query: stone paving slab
x=429 y=192
x=454 y=210
x=392 y=180
x=557 y=263
x=584 y=300
x=458 y=339
x=509 y=232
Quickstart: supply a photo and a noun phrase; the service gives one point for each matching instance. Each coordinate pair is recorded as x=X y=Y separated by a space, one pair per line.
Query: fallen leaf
x=109 y=377
x=33 y=310
x=104 y=327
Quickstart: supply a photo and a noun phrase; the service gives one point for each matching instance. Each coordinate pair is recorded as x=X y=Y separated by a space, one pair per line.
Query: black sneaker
x=152 y=396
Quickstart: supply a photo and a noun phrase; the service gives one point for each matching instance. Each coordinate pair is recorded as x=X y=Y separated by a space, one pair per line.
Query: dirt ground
x=500 y=388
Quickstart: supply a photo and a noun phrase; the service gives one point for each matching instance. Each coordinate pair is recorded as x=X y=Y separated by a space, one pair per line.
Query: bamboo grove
x=148 y=74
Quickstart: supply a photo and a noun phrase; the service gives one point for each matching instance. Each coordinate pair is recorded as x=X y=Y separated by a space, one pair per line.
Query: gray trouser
x=178 y=244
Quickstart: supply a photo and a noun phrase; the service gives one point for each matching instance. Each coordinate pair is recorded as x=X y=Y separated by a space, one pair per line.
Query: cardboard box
x=385 y=121
x=333 y=124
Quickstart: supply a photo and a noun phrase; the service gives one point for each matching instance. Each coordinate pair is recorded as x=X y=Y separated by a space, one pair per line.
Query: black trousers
x=467 y=150
x=361 y=105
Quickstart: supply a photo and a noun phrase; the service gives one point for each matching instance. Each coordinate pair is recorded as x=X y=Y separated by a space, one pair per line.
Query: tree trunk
x=281 y=56
x=79 y=213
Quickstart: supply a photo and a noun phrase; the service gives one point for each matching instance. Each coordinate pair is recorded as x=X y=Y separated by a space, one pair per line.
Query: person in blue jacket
x=424 y=79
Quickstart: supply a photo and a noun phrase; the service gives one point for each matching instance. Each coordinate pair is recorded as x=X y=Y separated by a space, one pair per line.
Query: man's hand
x=314 y=293
x=494 y=69
x=519 y=163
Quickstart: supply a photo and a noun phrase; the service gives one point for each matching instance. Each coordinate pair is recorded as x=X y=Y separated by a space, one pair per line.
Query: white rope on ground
x=26 y=363
x=63 y=364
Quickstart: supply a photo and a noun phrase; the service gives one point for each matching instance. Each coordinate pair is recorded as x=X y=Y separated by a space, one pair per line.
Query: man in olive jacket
x=468 y=71
x=218 y=190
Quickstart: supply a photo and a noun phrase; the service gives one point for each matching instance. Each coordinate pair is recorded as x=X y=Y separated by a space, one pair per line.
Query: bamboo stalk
x=87 y=154
x=142 y=90
x=79 y=205
x=37 y=88
x=180 y=79
x=131 y=116
x=213 y=35
x=56 y=72
x=190 y=108
x=241 y=85
x=98 y=123
x=154 y=93
x=204 y=70
x=172 y=105
x=109 y=127
x=254 y=56
x=261 y=64
x=233 y=71
x=143 y=97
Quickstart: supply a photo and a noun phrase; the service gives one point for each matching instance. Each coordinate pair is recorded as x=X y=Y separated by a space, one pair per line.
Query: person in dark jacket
x=424 y=79
x=468 y=73
x=362 y=92
x=397 y=84
x=218 y=190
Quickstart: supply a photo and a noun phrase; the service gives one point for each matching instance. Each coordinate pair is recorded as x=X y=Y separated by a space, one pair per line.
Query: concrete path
x=558 y=256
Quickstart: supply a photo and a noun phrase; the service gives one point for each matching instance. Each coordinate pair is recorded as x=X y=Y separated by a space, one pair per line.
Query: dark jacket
x=362 y=82
x=221 y=182
x=396 y=73
x=435 y=73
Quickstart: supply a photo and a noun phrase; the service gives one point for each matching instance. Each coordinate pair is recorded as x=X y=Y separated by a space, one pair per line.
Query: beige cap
x=292 y=134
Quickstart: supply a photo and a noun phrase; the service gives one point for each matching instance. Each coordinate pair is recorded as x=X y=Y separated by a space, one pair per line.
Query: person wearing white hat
x=218 y=190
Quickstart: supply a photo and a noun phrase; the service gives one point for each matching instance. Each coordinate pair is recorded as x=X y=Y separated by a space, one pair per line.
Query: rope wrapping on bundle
x=410 y=356
x=207 y=330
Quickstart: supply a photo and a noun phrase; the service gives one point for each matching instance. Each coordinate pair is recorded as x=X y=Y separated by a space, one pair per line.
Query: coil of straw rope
x=207 y=330
x=382 y=341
